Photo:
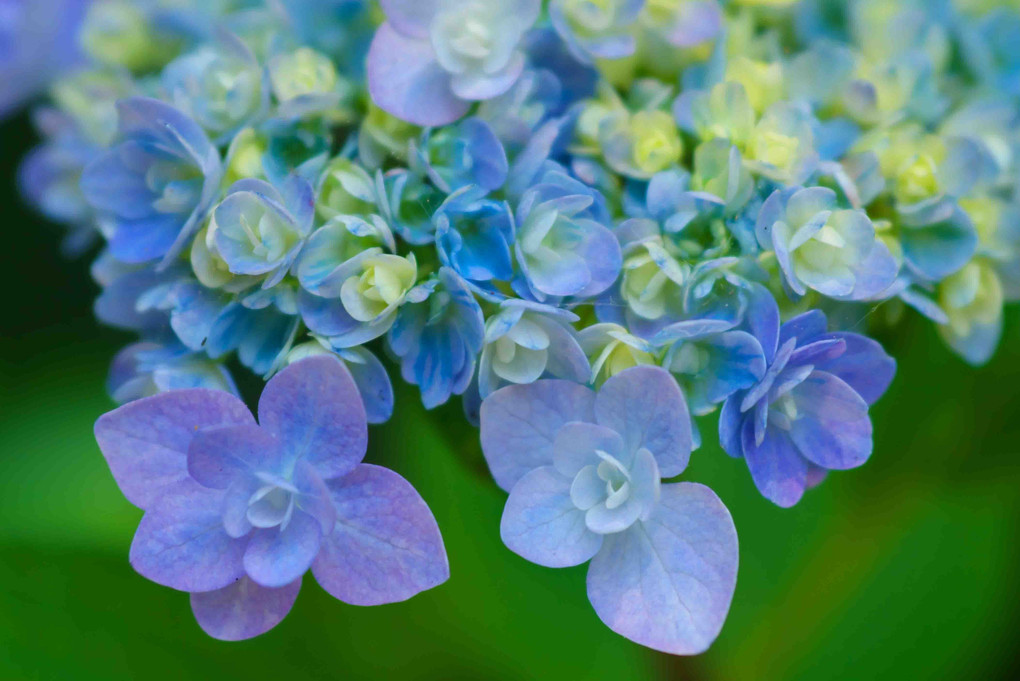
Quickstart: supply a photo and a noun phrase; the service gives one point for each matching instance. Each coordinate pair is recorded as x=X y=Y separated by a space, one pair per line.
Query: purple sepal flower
x=236 y=513
x=583 y=471
x=810 y=409
x=156 y=183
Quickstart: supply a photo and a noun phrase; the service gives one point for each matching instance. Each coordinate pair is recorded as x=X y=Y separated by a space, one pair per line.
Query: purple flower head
x=236 y=513
x=525 y=341
x=809 y=412
x=583 y=471
x=156 y=183
x=432 y=58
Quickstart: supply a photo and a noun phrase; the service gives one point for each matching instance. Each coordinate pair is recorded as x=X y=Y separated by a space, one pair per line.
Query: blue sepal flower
x=525 y=341
x=156 y=183
x=438 y=339
x=149 y=368
x=563 y=246
x=474 y=235
x=809 y=412
x=468 y=153
x=584 y=474
x=820 y=246
x=258 y=230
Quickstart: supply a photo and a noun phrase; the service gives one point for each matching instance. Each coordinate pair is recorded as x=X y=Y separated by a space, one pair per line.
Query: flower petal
x=406 y=81
x=645 y=406
x=576 y=443
x=314 y=409
x=541 y=524
x=667 y=583
x=276 y=557
x=832 y=428
x=216 y=456
x=777 y=468
x=864 y=366
x=519 y=425
x=181 y=543
x=243 y=609
x=386 y=546
x=146 y=441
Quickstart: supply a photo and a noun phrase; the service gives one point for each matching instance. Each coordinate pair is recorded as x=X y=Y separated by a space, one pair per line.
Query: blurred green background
x=905 y=569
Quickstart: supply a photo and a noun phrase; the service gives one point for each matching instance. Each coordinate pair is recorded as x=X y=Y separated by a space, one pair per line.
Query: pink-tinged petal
x=541 y=524
x=277 y=557
x=410 y=17
x=645 y=406
x=243 y=610
x=146 y=441
x=576 y=443
x=386 y=546
x=832 y=428
x=181 y=543
x=406 y=81
x=217 y=456
x=314 y=409
x=667 y=582
x=777 y=468
x=520 y=422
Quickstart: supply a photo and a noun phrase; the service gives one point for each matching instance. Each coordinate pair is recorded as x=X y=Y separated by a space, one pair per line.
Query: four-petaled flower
x=235 y=512
x=583 y=471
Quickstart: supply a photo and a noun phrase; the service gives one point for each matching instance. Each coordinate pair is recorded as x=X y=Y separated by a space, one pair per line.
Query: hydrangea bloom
x=432 y=58
x=236 y=512
x=833 y=251
x=156 y=183
x=588 y=218
x=809 y=411
x=583 y=471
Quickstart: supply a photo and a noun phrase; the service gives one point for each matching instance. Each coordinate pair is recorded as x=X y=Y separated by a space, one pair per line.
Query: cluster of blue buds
x=599 y=223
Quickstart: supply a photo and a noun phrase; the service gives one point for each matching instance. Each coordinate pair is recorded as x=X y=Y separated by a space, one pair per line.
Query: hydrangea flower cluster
x=598 y=223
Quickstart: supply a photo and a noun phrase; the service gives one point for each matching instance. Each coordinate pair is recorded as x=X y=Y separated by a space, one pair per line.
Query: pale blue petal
x=667 y=583
x=645 y=406
x=832 y=428
x=405 y=80
x=576 y=443
x=519 y=425
x=276 y=557
x=541 y=524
